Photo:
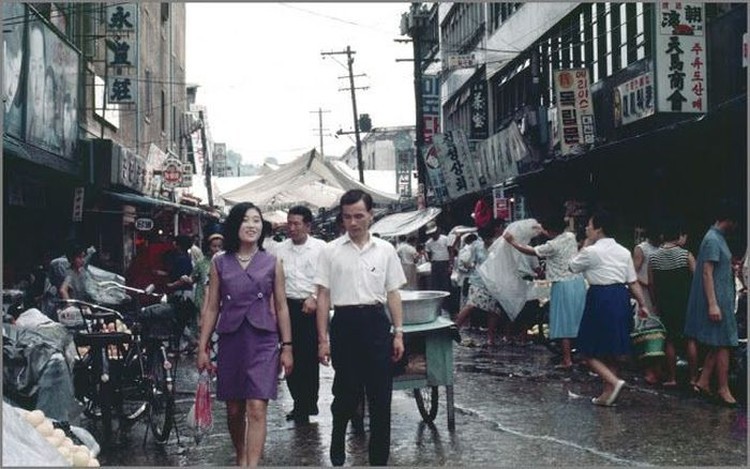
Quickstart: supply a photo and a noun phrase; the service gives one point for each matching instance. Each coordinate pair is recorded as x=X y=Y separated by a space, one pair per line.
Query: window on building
x=102 y=108
x=163 y=111
x=149 y=103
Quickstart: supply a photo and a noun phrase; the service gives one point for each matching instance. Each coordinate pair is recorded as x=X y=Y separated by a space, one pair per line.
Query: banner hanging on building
x=576 y=109
x=435 y=175
x=478 y=104
x=680 y=43
x=499 y=155
x=122 y=37
x=430 y=106
x=634 y=99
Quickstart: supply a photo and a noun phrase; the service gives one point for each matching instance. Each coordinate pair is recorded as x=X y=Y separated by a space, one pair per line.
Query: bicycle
x=126 y=375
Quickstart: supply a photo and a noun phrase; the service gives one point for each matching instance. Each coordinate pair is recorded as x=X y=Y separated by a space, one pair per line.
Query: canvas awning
x=404 y=223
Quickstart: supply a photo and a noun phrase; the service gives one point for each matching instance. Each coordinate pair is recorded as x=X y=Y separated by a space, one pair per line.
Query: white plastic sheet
x=23 y=445
x=505 y=267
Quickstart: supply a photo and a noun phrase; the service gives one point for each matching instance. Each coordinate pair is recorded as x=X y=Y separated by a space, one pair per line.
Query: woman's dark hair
x=470 y=238
x=605 y=221
x=672 y=230
x=184 y=242
x=352 y=196
x=303 y=211
x=232 y=224
x=554 y=223
x=73 y=249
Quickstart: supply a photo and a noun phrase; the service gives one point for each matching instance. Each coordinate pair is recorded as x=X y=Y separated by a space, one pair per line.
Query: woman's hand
x=287 y=362
x=714 y=313
x=203 y=361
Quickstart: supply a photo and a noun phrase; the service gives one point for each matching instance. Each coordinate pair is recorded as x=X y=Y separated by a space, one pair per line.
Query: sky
x=262 y=77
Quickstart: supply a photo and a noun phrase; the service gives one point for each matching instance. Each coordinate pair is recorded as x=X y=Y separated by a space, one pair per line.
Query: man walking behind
x=299 y=256
x=357 y=275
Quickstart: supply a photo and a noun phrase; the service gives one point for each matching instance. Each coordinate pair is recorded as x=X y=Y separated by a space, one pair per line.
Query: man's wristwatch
x=398 y=330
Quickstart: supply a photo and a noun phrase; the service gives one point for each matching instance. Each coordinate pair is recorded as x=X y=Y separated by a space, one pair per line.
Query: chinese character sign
x=634 y=99
x=430 y=106
x=576 y=109
x=680 y=55
x=121 y=60
x=478 y=109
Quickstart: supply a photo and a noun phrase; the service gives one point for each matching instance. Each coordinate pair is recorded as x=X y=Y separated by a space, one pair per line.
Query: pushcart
x=427 y=365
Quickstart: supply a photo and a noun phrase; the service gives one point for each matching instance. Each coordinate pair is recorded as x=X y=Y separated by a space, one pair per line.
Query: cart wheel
x=427 y=402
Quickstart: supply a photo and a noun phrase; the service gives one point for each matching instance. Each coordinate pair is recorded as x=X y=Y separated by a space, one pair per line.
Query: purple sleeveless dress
x=248 y=359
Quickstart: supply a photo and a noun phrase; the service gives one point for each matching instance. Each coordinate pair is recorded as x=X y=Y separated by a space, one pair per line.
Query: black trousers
x=440 y=275
x=304 y=381
x=361 y=349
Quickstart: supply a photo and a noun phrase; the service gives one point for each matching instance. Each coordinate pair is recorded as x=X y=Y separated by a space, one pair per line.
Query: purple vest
x=246 y=293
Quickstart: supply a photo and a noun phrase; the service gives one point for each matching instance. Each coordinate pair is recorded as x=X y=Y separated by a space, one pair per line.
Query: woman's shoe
x=702 y=393
x=729 y=405
x=615 y=393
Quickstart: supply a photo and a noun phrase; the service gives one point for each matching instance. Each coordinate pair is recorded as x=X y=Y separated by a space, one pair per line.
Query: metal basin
x=421 y=306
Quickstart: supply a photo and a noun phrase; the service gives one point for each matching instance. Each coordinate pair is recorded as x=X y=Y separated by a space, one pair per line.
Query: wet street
x=512 y=409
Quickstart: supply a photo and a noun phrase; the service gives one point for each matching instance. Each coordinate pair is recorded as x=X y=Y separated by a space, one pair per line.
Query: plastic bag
x=23 y=445
x=505 y=266
x=200 y=417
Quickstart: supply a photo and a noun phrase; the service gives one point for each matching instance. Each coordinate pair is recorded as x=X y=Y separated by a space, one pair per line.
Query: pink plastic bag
x=200 y=417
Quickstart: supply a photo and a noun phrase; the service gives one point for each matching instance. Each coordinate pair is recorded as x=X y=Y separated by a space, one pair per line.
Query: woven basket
x=648 y=337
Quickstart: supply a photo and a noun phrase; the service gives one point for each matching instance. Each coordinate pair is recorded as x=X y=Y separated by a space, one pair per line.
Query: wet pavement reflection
x=512 y=409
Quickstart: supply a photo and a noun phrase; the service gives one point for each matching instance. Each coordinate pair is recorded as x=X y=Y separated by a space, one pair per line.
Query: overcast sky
x=261 y=73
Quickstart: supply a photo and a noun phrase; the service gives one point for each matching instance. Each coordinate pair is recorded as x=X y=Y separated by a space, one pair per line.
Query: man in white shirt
x=299 y=255
x=407 y=253
x=357 y=275
x=441 y=258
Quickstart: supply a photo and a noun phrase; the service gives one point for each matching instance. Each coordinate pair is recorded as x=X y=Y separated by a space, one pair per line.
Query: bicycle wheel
x=161 y=402
x=136 y=389
x=427 y=402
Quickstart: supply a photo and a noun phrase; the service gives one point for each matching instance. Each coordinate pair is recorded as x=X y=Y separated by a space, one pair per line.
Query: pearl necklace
x=246 y=259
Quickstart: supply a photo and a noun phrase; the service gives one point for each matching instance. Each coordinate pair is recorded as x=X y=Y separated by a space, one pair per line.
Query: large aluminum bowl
x=421 y=306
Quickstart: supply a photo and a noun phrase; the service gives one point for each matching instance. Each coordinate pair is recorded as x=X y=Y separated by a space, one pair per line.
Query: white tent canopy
x=404 y=223
x=309 y=180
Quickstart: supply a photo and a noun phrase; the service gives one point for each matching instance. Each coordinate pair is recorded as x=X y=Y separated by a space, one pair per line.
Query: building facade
x=95 y=106
x=639 y=107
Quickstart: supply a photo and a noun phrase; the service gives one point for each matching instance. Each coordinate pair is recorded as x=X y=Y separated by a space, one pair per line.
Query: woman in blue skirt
x=568 y=293
x=604 y=333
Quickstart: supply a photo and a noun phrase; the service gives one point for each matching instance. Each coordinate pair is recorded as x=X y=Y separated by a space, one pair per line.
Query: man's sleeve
x=323 y=273
x=394 y=274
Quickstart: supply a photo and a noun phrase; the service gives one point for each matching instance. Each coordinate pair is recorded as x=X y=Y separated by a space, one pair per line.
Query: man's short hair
x=352 y=196
x=303 y=211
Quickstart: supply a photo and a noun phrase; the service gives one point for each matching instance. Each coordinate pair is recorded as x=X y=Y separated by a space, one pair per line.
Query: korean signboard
x=430 y=106
x=455 y=61
x=478 y=105
x=452 y=152
x=575 y=108
x=634 y=99
x=172 y=173
x=499 y=155
x=681 y=75
x=501 y=205
x=435 y=174
x=129 y=169
x=121 y=41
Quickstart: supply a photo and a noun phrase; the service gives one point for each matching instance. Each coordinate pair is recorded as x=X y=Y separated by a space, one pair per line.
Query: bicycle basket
x=158 y=320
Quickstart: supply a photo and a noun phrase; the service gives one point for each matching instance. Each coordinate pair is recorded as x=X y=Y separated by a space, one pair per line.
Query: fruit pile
x=76 y=455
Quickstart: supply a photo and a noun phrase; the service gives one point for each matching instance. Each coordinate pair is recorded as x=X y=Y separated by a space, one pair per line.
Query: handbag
x=648 y=337
x=200 y=416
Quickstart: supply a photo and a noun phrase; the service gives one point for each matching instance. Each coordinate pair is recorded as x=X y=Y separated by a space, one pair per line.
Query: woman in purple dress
x=247 y=287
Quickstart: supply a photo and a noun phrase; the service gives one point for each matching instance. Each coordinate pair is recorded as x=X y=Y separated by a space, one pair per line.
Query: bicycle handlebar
x=149 y=290
x=93 y=306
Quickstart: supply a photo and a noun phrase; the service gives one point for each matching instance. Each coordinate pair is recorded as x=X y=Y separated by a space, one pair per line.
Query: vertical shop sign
x=404 y=163
x=220 y=159
x=430 y=106
x=576 y=109
x=435 y=175
x=501 y=206
x=634 y=99
x=465 y=158
x=478 y=106
x=78 y=193
x=458 y=171
x=681 y=80
x=121 y=39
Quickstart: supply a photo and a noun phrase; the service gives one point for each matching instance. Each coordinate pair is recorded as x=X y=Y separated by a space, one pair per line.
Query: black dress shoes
x=298 y=417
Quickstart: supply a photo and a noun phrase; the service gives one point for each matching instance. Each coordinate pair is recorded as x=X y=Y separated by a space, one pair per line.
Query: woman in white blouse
x=604 y=333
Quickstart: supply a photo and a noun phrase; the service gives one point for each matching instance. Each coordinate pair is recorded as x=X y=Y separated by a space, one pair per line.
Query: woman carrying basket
x=604 y=333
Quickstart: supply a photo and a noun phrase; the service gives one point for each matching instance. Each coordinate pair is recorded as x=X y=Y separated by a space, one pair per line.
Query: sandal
x=702 y=393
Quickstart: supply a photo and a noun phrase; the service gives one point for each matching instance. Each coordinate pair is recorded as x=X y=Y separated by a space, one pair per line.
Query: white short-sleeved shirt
x=357 y=276
x=558 y=252
x=438 y=248
x=407 y=253
x=300 y=264
x=604 y=263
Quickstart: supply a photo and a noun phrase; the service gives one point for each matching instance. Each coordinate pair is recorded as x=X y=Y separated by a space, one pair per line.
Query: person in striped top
x=670 y=269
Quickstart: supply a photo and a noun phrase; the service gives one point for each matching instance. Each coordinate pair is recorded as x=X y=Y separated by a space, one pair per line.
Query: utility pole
x=350 y=60
x=320 y=128
x=206 y=162
x=412 y=24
